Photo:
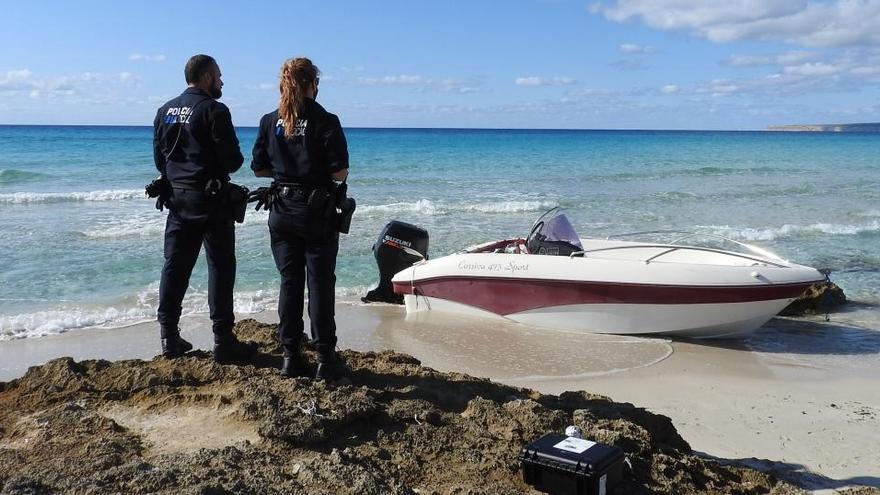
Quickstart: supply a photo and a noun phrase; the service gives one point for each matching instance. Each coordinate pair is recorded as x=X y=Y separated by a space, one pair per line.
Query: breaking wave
x=511 y=206
x=151 y=223
x=423 y=206
x=141 y=308
x=428 y=207
x=40 y=323
x=787 y=231
x=72 y=316
x=72 y=197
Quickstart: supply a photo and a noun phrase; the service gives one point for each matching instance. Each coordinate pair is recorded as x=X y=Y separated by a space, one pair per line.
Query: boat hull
x=615 y=296
x=704 y=321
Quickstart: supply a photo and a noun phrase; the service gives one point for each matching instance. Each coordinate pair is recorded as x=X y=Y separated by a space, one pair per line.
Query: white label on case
x=576 y=445
x=602 y=482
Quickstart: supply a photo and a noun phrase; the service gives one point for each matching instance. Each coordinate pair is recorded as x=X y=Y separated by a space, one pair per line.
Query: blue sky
x=608 y=64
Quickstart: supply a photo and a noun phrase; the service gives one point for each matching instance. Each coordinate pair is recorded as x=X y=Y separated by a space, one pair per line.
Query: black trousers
x=305 y=252
x=193 y=220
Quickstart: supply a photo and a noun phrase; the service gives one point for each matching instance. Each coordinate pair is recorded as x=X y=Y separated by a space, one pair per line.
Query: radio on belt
x=563 y=465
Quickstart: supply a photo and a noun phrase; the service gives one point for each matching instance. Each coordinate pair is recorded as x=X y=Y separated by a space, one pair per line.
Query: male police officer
x=195 y=150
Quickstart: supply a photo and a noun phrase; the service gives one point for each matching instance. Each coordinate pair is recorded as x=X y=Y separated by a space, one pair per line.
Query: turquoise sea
x=81 y=246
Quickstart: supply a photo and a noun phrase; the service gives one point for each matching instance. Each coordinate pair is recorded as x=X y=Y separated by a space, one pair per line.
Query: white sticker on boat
x=576 y=445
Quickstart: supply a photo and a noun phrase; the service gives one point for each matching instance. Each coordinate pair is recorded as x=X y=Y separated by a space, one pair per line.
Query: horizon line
x=440 y=128
x=775 y=128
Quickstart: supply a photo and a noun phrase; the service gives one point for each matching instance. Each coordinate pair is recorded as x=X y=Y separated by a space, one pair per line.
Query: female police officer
x=303 y=147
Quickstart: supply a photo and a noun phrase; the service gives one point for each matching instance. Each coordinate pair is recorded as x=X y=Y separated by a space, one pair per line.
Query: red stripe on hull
x=505 y=296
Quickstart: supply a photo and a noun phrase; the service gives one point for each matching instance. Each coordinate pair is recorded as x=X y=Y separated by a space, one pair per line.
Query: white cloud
x=456 y=86
x=850 y=71
x=629 y=64
x=633 y=48
x=18 y=74
x=720 y=87
x=812 y=69
x=86 y=88
x=23 y=81
x=804 y=22
x=839 y=70
x=394 y=80
x=670 y=88
x=147 y=58
x=865 y=71
x=544 y=81
x=127 y=77
x=15 y=80
x=786 y=58
x=423 y=83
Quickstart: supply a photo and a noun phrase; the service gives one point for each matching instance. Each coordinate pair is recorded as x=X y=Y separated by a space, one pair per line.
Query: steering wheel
x=531 y=237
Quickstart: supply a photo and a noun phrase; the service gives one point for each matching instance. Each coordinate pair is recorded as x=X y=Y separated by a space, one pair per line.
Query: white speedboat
x=554 y=279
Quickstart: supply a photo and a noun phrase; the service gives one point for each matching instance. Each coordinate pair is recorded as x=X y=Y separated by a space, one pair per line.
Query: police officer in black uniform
x=195 y=149
x=303 y=147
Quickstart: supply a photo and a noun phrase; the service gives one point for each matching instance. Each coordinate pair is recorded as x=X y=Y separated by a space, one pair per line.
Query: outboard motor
x=400 y=245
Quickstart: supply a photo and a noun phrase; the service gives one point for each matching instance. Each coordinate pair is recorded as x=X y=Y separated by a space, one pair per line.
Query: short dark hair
x=196 y=66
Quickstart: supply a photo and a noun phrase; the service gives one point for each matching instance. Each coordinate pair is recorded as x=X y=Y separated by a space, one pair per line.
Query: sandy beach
x=793 y=412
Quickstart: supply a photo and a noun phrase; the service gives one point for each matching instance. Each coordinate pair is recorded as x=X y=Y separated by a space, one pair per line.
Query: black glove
x=161 y=190
x=264 y=196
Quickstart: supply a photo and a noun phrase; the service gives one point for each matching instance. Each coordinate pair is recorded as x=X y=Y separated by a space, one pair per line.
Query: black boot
x=332 y=368
x=294 y=362
x=228 y=348
x=174 y=346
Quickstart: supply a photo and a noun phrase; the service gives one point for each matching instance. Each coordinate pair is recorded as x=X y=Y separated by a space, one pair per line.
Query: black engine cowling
x=400 y=245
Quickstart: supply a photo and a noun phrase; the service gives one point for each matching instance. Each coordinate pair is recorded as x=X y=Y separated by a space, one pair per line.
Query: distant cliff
x=869 y=127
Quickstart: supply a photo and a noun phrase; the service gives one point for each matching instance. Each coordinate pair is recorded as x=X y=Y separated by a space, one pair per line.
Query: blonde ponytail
x=296 y=75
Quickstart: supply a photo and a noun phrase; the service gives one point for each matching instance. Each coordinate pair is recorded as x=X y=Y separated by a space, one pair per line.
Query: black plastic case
x=562 y=465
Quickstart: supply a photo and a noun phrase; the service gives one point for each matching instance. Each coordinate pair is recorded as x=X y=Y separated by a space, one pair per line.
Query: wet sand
x=813 y=417
x=502 y=352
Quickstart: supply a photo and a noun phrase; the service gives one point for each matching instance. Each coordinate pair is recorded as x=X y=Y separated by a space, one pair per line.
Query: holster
x=343 y=208
x=234 y=198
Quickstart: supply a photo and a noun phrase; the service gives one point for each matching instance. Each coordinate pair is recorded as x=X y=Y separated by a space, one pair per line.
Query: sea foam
x=430 y=208
x=71 y=317
x=788 y=231
x=59 y=197
x=65 y=318
x=151 y=223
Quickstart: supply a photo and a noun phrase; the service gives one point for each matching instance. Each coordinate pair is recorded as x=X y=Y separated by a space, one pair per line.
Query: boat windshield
x=559 y=228
x=553 y=234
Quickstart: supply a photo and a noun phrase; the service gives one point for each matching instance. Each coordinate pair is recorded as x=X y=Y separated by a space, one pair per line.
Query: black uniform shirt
x=315 y=151
x=207 y=148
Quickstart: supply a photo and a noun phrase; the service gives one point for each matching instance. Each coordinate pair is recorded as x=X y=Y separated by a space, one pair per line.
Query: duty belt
x=210 y=187
x=290 y=189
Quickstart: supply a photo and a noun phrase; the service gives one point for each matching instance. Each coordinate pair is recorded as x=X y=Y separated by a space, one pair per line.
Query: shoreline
x=815 y=421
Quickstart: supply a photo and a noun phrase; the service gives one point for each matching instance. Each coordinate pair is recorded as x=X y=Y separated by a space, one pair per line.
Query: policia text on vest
x=228 y=198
